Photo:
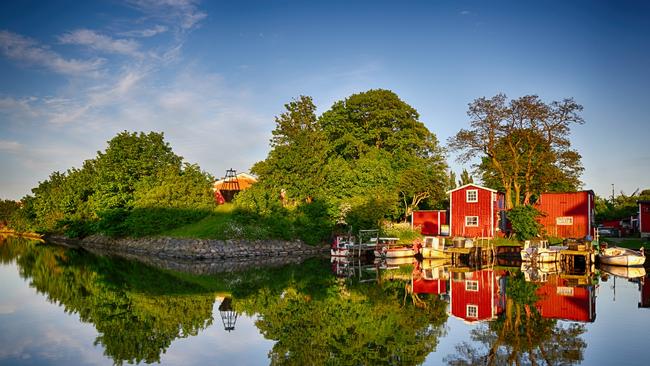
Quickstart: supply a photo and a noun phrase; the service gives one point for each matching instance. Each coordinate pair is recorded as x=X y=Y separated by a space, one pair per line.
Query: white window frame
x=467 y=198
x=474 y=309
x=471 y=285
x=467 y=224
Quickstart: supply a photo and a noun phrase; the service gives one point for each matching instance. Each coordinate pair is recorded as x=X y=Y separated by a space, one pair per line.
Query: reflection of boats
x=433 y=269
x=539 y=272
x=539 y=251
x=434 y=247
x=396 y=261
x=622 y=271
x=617 y=256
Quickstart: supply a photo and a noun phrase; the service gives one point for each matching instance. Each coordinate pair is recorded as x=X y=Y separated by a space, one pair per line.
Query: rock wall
x=198 y=256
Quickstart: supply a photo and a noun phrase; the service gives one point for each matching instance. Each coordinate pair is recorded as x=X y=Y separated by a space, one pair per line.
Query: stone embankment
x=198 y=256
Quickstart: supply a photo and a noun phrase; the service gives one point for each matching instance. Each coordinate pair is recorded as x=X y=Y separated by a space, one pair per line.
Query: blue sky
x=212 y=75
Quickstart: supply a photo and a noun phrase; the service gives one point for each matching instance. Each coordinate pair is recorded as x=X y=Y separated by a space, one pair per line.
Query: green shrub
x=403 y=231
x=524 y=223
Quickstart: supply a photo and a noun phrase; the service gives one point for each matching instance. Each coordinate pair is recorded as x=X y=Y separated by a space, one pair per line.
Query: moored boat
x=622 y=271
x=388 y=248
x=433 y=247
x=617 y=256
x=540 y=251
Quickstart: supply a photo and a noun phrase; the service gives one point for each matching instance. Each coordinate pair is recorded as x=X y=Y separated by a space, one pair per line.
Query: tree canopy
x=523 y=145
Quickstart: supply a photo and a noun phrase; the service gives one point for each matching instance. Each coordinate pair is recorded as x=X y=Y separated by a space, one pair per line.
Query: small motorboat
x=539 y=251
x=617 y=256
x=388 y=248
x=433 y=247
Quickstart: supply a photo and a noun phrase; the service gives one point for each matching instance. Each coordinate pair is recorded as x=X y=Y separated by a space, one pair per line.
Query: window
x=472 y=311
x=471 y=221
x=471 y=195
x=471 y=285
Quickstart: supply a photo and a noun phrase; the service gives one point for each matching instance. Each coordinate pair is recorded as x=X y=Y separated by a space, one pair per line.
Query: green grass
x=632 y=243
x=505 y=242
x=214 y=226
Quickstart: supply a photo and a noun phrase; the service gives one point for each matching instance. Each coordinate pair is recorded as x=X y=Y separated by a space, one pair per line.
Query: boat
x=342 y=246
x=617 y=256
x=433 y=247
x=388 y=248
x=539 y=251
x=624 y=272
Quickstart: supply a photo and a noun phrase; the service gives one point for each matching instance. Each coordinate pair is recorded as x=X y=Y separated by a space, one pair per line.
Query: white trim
x=451 y=215
x=472 y=185
x=588 y=214
x=439 y=224
x=468 y=225
x=467 y=199
x=492 y=201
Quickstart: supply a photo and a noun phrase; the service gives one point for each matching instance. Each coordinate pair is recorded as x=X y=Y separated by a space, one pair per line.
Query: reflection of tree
x=355 y=324
x=521 y=336
x=138 y=311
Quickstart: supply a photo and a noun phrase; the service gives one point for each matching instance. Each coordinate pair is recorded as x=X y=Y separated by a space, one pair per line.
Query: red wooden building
x=429 y=222
x=567 y=214
x=474 y=211
x=558 y=300
x=477 y=296
x=644 y=218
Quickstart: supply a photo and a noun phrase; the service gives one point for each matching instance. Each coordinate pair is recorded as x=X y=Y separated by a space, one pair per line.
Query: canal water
x=62 y=306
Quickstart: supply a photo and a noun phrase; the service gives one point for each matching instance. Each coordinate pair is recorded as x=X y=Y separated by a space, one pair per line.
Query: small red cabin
x=558 y=300
x=429 y=221
x=474 y=211
x=644 y=218
x=567 y=214
x=477 y=296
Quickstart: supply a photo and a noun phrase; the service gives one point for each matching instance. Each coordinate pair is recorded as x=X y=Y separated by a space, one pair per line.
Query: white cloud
x=27 y=50
x=177 y=12
x=10 y=146
x=101 y=42
x=145 y=33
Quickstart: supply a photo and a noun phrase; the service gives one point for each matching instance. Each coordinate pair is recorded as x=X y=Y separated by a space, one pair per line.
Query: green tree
x=465 y=178
x=523 y=144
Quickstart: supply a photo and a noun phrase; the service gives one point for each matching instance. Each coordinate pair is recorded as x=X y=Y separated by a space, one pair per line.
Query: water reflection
x=321 y=312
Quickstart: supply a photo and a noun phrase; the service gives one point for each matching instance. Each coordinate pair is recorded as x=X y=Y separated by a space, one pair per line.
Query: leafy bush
x=403 y=231
x=313 y=224
x=524 y=223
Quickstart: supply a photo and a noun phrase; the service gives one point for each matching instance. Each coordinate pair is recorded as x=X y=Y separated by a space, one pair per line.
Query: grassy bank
x=631 y=243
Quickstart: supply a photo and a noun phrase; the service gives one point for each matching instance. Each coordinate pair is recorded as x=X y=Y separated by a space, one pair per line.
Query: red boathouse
x=474 y=211
x=429 y=222
x=567 y=214
x=644 y=218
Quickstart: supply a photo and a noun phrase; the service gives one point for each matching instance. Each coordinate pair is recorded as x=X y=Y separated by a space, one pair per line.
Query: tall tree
x=465 y=178
x=297 y=154
x=523 y=144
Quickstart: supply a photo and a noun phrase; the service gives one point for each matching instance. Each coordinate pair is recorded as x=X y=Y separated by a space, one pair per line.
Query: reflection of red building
x=567 y=214
x=434 y=287
x=429 y=221
x=477 y=296
x=474 y=211
x=558 y=300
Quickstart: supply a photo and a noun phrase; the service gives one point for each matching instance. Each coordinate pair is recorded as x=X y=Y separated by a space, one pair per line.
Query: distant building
x=226 y=188
x=567 y=214
x=474 y=211
x=430 y=222
x=644 y=218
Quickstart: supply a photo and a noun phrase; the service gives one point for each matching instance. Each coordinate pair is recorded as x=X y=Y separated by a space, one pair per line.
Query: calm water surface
x=61 y=307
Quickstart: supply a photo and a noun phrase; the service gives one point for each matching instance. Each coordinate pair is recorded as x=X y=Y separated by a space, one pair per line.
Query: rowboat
x=617 y=256
x=388 y=248
x=539 y=251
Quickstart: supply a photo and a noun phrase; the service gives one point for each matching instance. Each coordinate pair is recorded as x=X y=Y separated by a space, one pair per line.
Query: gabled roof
x=472 y=185
x=245 y=180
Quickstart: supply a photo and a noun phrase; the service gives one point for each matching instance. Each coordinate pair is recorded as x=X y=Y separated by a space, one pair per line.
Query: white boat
x=434 y=247
x=617 y=256
x=539 y=251
x=388 y=248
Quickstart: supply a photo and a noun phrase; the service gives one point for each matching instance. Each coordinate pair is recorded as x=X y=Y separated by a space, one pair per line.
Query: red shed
x=644 y=218
x=558 y=300
x=474 y=211
x=477 y=296
x=429 y=221
x=567 y=214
